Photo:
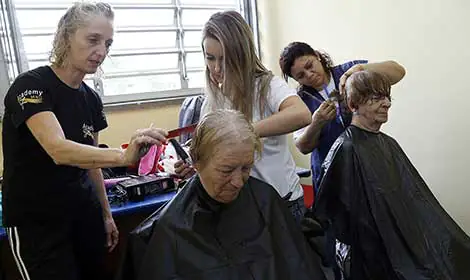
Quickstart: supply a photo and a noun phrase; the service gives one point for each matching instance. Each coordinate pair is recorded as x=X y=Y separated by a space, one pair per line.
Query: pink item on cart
x=149 y=163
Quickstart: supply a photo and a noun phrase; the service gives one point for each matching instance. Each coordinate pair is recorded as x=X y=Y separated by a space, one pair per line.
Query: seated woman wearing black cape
x=377 y=202
x=223 y=224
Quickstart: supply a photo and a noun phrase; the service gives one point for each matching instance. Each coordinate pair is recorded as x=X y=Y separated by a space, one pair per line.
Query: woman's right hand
x=184 y=170
x=143 y=139
x=326 y=112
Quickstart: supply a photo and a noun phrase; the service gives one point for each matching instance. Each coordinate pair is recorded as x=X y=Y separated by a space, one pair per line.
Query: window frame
x=246 y=7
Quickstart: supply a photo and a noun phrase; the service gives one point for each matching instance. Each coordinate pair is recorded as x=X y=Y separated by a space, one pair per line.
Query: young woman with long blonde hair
x=236 y=79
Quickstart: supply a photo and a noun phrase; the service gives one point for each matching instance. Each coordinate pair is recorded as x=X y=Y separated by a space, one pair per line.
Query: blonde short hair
x=221 y=127
x=77 y=16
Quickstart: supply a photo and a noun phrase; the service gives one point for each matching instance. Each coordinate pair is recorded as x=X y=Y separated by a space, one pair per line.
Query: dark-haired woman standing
x=318 y=78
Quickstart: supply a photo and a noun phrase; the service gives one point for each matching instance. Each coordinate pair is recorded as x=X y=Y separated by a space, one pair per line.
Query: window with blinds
x=156 y=53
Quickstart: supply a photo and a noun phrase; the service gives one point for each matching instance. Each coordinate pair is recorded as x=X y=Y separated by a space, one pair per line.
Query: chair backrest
x=190 y=113
x=309 y=196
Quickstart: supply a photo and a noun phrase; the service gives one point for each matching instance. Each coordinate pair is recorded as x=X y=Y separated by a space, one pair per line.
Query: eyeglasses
x=378 y=98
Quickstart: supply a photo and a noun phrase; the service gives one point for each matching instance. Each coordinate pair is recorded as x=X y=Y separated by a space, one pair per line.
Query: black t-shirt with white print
x=34 y=187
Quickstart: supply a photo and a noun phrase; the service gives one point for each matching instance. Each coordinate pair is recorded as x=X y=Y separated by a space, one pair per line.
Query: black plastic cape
x=377 y=202
x=195 y=237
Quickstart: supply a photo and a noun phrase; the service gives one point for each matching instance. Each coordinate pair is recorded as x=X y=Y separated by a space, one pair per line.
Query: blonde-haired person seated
x=377 y=202
x=224 y=224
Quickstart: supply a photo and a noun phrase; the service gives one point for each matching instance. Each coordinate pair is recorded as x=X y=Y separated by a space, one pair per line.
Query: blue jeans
x=297 y=208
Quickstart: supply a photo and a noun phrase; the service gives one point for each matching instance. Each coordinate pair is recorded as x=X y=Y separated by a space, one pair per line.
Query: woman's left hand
x=342 y=80
x=112 y=233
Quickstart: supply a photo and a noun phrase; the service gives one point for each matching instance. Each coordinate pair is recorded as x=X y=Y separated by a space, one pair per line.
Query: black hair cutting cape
x=195 y=237
x=377 y=202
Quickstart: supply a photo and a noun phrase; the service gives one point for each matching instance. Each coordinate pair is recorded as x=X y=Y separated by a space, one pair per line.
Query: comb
x=177 y=132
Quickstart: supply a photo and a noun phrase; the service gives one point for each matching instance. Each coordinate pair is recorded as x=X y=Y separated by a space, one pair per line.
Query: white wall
x=431 y=38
